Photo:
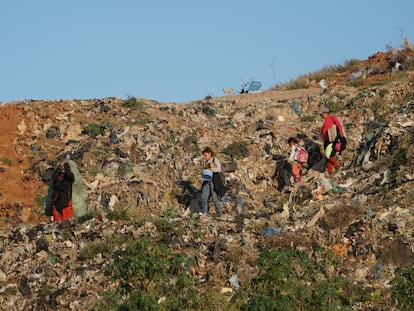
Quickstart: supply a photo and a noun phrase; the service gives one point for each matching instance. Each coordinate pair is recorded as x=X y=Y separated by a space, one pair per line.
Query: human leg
x=68 y=211
x=205 y=195
x=217 y=203
x=296 y=167
x=334 y=162
x=331 y=164
x=56 y=215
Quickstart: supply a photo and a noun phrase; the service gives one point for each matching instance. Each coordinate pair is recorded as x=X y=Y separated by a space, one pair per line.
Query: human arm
x=292 y=154
x=215 y=165
x=68 y=173
x=339 y=126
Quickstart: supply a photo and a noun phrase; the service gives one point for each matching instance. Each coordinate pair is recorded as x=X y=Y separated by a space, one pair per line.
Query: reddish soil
x=18 y=185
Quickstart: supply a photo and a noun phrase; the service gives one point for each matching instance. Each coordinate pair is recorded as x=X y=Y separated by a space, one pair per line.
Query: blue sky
x=183 y=50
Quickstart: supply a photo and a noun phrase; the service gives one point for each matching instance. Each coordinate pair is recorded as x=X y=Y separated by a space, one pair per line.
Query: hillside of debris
x=140 y=163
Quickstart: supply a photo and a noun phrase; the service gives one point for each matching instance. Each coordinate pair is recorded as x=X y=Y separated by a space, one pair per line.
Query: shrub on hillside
x=236 y=150
x=133 y=104
x=147 y=270
x=403 y=288
x=289 y=280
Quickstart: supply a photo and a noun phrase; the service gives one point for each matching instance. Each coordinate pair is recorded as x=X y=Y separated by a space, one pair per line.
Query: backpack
x=332 y=133
x=340 y=144
x=302 y=155
x=222 y=173
x=219 y=181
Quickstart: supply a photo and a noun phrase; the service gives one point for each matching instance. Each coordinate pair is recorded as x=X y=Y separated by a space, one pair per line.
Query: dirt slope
x=18 y=185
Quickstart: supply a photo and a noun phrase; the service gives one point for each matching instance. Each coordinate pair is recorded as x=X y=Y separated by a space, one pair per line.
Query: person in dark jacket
x=62 y=193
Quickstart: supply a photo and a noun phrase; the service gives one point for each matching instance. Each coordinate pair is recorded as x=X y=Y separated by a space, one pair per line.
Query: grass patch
x=44 y=291
x=93 y=248
x=133 y=104
x=403 y=288
x=146 y=270
x=141 y=121
x=308 y=118
x=93 y=129
x=99 y=153
x=124 y=168
x=119 y=214
x=9 y=291
x=6 y=161
x=40 y=200
x=236 y=150
x=303 y=81
x=333 y=105
x=289 y=280
x=95 y=170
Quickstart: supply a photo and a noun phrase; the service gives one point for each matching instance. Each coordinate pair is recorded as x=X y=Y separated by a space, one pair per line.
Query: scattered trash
x=234 y=281
x=355 y=76
x=323 y=84
x=378 y=271
x=294 y=106
x=269 y=231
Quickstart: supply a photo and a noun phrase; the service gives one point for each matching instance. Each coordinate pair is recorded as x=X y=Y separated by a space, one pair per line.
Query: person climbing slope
x=213 y=165
x=298 y=158
x=330 y=130
x=62 y=193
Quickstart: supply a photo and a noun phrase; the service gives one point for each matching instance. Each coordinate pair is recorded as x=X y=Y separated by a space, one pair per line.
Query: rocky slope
x=144 y=157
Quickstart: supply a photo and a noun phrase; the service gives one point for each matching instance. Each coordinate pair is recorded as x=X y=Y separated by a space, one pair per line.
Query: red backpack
x=302 y=155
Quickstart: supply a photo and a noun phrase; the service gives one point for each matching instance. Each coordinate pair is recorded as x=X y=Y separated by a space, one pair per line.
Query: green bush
x=399 y=158
x=40 y=200
x=333 y=105
x=93 y=129
x=6 y=161
x=236 y=150
x=290 y=280
x=403 y=288
x=133 y=104
x=147 y=270
x=118 y=214
x=301 y=82
x=308 y=119
x=92 y=249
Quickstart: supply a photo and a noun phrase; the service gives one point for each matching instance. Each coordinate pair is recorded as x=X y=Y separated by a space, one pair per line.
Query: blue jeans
x=206 y=192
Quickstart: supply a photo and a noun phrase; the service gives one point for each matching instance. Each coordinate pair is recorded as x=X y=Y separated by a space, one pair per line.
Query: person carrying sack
x=62 y=193
x=211 y=185
x=330 y=130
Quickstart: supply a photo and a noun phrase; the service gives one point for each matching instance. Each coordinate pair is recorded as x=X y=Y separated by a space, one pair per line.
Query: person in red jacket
x=330 y=129
x=62 y=193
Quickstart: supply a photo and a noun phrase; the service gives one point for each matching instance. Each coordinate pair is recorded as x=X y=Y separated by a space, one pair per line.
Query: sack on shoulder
x=330 y=151
x=332 y=133
x=219 y=186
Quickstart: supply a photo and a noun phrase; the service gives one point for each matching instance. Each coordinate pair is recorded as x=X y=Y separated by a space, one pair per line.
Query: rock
x=24 y=288
x=3 y=277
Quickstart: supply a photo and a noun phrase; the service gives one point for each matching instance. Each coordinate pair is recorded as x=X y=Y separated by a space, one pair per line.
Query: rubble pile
x=144 y=157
